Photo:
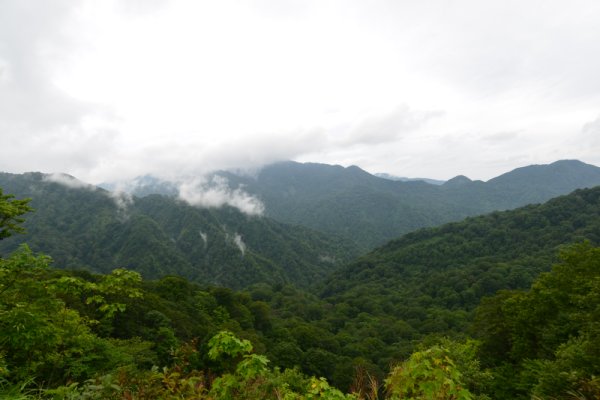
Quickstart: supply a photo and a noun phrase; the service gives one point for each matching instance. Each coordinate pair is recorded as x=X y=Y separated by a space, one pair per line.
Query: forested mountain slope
x=371 y=210
x=401 y=298
x=426 y=284
x=84 y=227
x=452 y=266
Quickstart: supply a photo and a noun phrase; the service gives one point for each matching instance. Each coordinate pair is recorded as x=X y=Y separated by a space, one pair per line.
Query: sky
x=110 y=90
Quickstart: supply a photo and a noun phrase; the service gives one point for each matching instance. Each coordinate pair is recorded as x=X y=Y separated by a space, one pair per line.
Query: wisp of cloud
x=214 y=192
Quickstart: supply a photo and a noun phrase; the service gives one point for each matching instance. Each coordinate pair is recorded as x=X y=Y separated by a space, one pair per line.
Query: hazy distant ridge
x=370 y=210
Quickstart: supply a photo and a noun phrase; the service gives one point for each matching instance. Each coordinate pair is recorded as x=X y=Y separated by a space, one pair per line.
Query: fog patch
x=122 y=200
x=214 y=192
x=327 y=259
x=68 y=181
x=237 y=240
x=204 y=238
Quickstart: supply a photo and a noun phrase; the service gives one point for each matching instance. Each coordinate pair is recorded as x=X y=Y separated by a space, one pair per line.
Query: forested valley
x=504 y=305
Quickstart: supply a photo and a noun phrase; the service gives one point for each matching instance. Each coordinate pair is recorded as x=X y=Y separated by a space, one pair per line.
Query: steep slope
x=373 y=312
x=372 y=210
x=538 y=183
x=346 y=201
x=82 y=226
x=454 y=265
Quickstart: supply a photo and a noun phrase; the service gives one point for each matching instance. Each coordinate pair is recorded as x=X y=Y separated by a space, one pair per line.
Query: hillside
x=85 y=227
x=400 y=299
x=428 y=283
x=371 y=210
x=434 y=277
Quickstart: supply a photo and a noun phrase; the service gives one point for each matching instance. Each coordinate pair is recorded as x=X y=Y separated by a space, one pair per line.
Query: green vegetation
x=469 y=310
x=10 y=214
x=371 y=211
x=543 y=342
x=546 y=341
x=84 y=228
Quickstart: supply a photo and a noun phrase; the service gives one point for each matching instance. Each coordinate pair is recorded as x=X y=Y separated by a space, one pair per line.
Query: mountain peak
x=569 y=162
x=458 y=180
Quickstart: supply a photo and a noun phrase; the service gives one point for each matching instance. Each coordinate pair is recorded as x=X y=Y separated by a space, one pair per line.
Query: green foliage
x=225 y=343
x=11 y=210
x=41 y=336
x=159 y=236
x=249 y=379
x=428 y=374
x=429 y=282
x=372 y=211
x=546 y=341
x=118 y=336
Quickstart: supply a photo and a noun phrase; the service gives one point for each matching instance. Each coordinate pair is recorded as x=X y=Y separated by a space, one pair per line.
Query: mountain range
x=370 y=210
x=308 y=302
x=82 y=226
x=316 y=217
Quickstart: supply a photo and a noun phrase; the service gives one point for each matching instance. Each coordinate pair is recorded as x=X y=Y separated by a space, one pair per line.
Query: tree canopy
x=11 y=210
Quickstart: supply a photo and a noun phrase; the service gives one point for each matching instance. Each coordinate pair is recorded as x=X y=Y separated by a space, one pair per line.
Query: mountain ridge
x=370 y=210
x=86 y=227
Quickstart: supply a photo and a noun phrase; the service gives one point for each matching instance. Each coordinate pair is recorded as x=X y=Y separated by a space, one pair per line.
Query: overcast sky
x=108 y=90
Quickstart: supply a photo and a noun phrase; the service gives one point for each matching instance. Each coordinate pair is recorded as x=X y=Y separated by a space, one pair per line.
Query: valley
x=493 y=293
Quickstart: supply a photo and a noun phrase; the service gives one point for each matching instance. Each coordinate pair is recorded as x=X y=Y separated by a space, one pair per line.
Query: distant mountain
x=82 y=226
x=405 y=179
x=372 y=210
x=143 y=186
x=459 y=180
x=538 y=183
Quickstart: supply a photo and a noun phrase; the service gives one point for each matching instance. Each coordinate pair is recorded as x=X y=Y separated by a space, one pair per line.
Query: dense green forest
x=468 y=310
x=371 y=211
x=84 y=227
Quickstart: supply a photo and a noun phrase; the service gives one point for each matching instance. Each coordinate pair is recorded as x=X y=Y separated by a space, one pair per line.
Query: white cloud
x=237 y=240
x=68 y=181
x=389 y=127
x=41 y=126
x=122 y=200
x=114 y=89
x=588 y=141
x=204 y=238
x=591 y=133
x=214 y=192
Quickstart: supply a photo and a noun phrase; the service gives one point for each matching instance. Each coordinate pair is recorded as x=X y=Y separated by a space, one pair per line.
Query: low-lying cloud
x=214 y=192
x=67 y=180
x=237 y=240
x=121 y=198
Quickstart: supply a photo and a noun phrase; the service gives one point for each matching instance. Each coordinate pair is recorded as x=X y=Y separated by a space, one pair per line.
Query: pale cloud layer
x=67 y=180
x=109 y=90
x=214 y=192
x=119 y=196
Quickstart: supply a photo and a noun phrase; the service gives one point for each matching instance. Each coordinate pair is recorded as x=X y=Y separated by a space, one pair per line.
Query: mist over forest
x=299 y=200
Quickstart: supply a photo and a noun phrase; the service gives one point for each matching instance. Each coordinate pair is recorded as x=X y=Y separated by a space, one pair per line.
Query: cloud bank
x=115 y=89
x=68 y=181
x=121 y=198
x=214 y=192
